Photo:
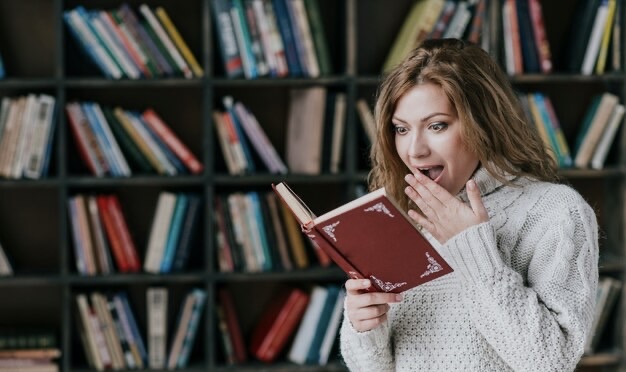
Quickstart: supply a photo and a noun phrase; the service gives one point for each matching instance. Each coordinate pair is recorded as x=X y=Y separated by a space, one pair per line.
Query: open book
x=371 y=237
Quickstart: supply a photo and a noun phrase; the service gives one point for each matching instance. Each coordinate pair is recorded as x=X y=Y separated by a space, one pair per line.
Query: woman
x=454 y=146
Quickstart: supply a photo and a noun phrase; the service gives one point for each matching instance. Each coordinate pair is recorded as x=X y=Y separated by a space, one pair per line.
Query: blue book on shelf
x=47 y=154
x=286 y=30
x=229 y=105
x=189 y=228
x=266 y=263
x=84 y=44
x=101 y=137
x=173 y=236
x=227 y=40
x=134 y=328
x=313 y=356
x=2 y=72
x=192 y=329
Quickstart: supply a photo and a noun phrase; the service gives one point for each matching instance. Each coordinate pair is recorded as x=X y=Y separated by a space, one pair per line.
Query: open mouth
x=432 y=172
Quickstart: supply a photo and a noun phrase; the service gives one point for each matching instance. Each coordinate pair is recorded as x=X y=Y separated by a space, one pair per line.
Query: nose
x=418 y=148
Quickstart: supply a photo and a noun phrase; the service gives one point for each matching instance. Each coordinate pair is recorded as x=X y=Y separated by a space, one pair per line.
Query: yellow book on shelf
x=179 y=42
x=606 y=36
x=416 y=27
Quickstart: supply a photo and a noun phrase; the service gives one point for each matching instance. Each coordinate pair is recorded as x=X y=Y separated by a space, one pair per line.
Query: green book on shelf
x=319 y=37
x=128 y=146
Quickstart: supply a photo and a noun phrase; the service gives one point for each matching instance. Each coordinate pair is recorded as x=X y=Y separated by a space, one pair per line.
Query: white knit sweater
x=521 y=297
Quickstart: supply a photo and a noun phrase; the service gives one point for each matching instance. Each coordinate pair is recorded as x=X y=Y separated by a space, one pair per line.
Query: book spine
x=154 y=121
x=230 y=53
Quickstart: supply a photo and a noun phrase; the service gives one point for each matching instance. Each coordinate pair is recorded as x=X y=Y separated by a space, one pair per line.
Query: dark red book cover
x=232 y=324
x=371 y=237
x=278 y=323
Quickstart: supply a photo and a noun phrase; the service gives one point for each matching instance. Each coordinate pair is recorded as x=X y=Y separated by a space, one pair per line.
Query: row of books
x=274 y=38
x=314 y=140
x=112 y=339
x=103 y=244
x=23 y=338
x=597 y=131
x=434 y=19
x=308 y=318
x=173 y=232
x=116 y=142
x=595 y=38
x=26 y=133
x=123 y=43
x=255 y=232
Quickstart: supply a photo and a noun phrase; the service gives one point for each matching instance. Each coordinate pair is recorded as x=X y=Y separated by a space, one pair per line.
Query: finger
x=437 y=192
x=425 y=192
x=355 y=286
x=476 y=202
x=369 y=312
x=426 y=209
x=421 y=220
x=366 y=325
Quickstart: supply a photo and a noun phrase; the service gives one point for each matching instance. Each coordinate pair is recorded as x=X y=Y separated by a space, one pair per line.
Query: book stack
x=26 y=133
x=115 y=142
x=123 y=43
x=274 y=38
x=100 y=235
x=256 y=233
x=173 y=232
x=28 y=349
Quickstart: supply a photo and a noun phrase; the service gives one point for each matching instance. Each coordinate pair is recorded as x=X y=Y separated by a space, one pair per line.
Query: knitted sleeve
x=366 y=351
x=536 y=320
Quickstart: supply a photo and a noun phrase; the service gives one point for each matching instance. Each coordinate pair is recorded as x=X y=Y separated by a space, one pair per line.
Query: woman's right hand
x=367 y=310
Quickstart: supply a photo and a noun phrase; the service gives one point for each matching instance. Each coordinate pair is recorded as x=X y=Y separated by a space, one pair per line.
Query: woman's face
x=428 y=137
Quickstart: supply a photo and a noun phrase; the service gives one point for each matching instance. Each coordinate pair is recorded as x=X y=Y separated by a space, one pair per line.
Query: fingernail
x=398 y=297
x=471 y=184
x=366 y=283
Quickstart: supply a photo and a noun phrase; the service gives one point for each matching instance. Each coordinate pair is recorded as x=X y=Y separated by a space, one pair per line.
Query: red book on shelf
x=111 y=231
x=171 y=140
x=371 y=237
x=278 y=323
x=232 y=324
x=116 y=228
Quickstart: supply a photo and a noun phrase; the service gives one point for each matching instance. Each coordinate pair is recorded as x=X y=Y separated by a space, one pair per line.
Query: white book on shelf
x=339 y=128
x=88 y=327
x=308 y=325
x=109 y=38
x=367 y=119
x=26 y=126
x=602 y=149
x=5 y=265
x=34 y=158
x=156 y=315
x=101 y=308
x=76 y=19
x=184 y=317
x=11 y=136
x=593 y=45
x=331 y=332
x=159 y=231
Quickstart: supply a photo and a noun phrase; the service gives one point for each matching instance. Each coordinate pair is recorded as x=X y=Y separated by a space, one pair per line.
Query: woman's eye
x=437 y=127
x=399 y=130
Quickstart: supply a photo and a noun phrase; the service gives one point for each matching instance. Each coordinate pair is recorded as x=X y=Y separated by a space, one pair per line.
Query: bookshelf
x=40 y=56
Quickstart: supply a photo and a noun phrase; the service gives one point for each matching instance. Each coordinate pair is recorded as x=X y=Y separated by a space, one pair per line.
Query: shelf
x=332 y=273
x=151 y=180
x=604 y=359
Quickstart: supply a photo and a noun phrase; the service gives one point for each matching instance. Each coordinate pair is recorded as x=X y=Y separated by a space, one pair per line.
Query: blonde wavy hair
x=494 y=125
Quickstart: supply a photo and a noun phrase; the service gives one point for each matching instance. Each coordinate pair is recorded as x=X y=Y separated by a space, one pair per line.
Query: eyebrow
x=422 y=119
